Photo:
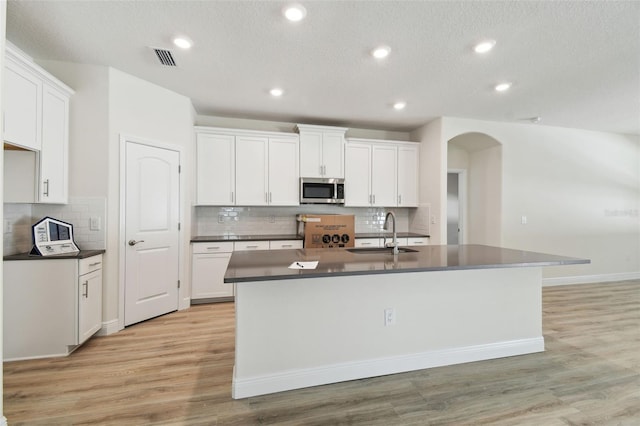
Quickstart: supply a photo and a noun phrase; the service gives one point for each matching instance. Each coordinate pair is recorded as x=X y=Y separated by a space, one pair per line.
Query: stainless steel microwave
x=321 y=191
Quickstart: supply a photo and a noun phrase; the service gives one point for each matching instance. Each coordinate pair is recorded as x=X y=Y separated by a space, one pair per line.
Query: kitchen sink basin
x=379 y=250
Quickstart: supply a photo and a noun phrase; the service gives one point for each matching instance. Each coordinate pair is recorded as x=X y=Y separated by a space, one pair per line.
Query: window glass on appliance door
x=318 y=190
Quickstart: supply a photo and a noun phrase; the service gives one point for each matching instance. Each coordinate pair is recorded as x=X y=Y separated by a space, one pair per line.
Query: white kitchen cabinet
x=284 y=182
x=246 y=168
x=368 y=242
x=384 y=175
x=250 y=245
x=285 y=244
x=252 y=179
x=54 y=170
x=51 y=306
x=418 y=241
x=380 y=174
x=36 y=117
x=209 y=263
x=408 y=158
x=357 y=181
x=215 y=168
x=321 y=151
x=89 y=297
x=21 y=103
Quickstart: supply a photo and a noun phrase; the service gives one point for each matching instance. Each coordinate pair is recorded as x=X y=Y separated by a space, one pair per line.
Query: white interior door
x=151 y=232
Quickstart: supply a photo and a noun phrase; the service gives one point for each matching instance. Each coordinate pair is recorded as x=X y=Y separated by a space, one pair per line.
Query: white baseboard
x=590 y=279
x=296 y=379
x=109 y=327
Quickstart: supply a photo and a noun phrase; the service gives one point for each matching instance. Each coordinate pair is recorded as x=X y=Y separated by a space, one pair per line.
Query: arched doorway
x=474 y=189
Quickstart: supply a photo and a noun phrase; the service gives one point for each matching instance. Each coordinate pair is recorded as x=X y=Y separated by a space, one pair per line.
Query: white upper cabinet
x=22 y=99
x=381 y=173
x=384 y=175
x=246 y=168
x=54 y=170
x=215 y=164
x=321 y=151
x=357 y=181
x=408 y=158
x=36 y=117
x=252 y=179
x=284 y=175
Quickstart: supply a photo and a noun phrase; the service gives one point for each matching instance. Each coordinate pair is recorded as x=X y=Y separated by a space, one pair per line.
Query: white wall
x=149 y=112
x=580 y=191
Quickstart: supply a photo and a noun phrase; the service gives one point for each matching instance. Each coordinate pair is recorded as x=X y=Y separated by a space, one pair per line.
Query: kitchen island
x=364 y=314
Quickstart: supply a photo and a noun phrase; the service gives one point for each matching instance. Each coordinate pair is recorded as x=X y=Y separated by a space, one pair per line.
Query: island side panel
x=305 y=332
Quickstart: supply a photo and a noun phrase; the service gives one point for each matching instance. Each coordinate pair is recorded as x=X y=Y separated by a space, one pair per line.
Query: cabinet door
x=368 y=242
x=408 y=176
x=358 y=175
x=284 y=178
x=333 y=155
x=89 y=305
x=384 y=175
x=207 y=278
x=311 y=154
x=22 y=98
x=251 y=171
x=54 y=155
x=215 y=169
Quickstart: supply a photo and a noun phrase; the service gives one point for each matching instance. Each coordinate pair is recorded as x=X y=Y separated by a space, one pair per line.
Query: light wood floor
x=176 y=370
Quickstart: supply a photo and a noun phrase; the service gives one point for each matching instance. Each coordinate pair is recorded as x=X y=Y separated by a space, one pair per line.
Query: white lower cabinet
x=368 y=242
x=209 y=263
x=285 y=244
x=418 y=241
x=250 y=245
x=50 y=306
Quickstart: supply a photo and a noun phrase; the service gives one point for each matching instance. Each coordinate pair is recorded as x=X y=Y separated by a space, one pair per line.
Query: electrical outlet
x=523 y=220
x=95 y=223
x=389 y=317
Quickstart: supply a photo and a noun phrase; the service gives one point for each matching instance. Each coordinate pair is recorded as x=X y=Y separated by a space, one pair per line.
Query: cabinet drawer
x=368 y=242
x=213 y=247
x=285 y=244
x=250 y=245
x=418 y=241
x=89 y=264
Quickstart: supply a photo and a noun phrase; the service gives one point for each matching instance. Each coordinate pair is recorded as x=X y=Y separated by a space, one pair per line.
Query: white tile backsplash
x=78 y=212
x=282 y=220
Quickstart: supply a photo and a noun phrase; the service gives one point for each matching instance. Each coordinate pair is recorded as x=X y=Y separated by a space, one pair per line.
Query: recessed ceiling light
x=399 y=105
x=381 y=52
x=502 y=87
x=183 y=42
x=484 y=46
x=276 y=91
x=294 y=12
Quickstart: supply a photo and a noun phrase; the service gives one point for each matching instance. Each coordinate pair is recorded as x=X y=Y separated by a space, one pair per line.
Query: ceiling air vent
x=165 y=57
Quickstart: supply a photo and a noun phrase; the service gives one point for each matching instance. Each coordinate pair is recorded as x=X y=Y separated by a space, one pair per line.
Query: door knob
x=134 y=242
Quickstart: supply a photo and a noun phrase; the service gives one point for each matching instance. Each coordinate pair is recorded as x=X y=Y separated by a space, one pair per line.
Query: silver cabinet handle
x=286 y=245
x=321 y=173
x=374 y=198
x=232 y=196
x=399 y=199
x=213 y=248
x=270 y=197
x=86 y=289
x=45 y=192
x=250 y=247
x=94 y=264
x=134 y=242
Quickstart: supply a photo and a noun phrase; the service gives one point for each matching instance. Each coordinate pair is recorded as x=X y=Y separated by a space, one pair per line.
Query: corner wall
x=580 y=192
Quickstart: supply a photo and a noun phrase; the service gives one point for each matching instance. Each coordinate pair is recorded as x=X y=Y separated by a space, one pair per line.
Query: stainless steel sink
x=379 y=250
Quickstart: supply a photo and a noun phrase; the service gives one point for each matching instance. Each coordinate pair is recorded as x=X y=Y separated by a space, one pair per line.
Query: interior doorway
x=456 y=196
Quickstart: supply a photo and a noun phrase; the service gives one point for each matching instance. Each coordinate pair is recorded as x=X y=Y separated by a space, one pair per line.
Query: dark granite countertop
x=279 y=237
x=274 y=265
x=82 y=254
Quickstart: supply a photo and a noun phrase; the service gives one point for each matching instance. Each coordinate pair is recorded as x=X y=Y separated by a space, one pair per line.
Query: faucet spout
x=394 y=243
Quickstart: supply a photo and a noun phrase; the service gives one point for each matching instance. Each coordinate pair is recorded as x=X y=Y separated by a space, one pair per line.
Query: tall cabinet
x=36 y=118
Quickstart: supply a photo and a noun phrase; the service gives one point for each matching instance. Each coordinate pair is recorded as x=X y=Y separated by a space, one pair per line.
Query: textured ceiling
x=574 y=64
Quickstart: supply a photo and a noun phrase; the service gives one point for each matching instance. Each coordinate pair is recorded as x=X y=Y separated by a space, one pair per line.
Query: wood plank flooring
x=176 y=370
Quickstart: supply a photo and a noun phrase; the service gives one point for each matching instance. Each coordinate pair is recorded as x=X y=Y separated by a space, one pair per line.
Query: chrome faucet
x=394 y=243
